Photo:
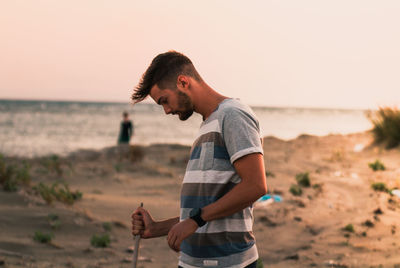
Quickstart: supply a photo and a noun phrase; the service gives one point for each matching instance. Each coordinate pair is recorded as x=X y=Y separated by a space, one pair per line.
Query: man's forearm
x=236 y=200
x=162 y=228
x=253 y=185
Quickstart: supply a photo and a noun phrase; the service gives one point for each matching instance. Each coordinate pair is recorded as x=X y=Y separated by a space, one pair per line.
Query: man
x=224 y=176
x=126 y=129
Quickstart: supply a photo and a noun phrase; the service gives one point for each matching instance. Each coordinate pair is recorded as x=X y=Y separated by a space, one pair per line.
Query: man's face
x=173 y=101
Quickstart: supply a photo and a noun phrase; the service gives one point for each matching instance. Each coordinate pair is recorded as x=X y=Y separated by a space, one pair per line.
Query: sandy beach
x=301 y=231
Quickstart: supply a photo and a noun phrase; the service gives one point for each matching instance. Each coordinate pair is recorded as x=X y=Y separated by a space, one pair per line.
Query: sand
x=300 y=231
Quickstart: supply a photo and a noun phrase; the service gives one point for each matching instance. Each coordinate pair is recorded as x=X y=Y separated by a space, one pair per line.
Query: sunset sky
x=312 y=53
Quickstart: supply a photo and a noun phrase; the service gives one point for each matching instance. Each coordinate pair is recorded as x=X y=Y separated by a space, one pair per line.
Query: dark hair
x=125 y=113
x=163 y=72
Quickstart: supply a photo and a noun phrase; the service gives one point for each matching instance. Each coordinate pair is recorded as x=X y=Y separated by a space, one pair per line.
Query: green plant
x=349 y=228
x=386 y=127
x=269 y=174
x=7 y=176
x=66 y=196
x=303 y=179
x=54 y=220
x=118 y=167
x=364 y=233
x=12 y=176
x=377 y=165
x=22 y=174
x=53 y=164
x=295 y=190
x=317 y=186
x=100 y=241
x=58 y=192
x=3 y=168
x=45 y=192
x=42 y=237
x=259 y=263
x=369 y=223
x=379 y=186
x=10 y=184
x=52 y=217
x=107 y=226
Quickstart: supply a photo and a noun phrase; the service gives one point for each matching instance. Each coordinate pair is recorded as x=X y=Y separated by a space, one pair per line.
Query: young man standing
x=224 y=176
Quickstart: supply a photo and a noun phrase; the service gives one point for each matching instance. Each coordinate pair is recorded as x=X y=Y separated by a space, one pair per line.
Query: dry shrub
x=386 y=128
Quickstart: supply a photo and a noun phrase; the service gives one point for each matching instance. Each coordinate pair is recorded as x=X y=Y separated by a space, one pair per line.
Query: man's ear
x=183 y=82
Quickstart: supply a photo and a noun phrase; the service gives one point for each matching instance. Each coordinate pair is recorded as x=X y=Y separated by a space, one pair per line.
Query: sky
x=293 y=53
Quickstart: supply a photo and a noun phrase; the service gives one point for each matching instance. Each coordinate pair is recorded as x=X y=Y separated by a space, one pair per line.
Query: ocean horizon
x=33 y=128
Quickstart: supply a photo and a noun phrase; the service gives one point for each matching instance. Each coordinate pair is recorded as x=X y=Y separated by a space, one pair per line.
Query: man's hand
x=179 y=232
x=142 y=223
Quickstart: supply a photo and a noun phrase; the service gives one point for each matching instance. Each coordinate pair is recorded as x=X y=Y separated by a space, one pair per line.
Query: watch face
x=194 y=212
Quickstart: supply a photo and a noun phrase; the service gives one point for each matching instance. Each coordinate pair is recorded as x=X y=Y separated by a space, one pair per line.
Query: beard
x=185 y=105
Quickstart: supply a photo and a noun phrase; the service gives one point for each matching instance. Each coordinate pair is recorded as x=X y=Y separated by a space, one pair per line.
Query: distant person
x=126 y=130
x=224 y=177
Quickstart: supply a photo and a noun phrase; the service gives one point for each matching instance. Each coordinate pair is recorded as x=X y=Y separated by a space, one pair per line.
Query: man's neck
x=207 y=101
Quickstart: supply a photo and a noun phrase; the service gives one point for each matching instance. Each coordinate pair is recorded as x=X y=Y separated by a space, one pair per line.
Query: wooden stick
x=136 y=251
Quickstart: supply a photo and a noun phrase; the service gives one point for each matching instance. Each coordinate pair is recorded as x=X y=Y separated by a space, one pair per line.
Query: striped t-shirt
x=230 y=132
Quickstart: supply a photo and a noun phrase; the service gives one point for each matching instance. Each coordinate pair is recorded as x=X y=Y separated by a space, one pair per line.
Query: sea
x=31 y=128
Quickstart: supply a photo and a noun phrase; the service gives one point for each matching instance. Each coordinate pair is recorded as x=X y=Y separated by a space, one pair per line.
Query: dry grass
x=386 y=128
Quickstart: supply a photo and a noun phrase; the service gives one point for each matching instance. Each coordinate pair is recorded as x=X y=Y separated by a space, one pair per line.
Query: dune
x=301 y=231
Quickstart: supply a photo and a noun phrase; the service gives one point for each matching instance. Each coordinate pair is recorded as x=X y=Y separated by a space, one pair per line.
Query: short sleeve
x=241 y=133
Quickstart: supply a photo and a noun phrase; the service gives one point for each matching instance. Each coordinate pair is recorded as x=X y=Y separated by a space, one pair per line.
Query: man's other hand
x=179 y=232
x=142 y=223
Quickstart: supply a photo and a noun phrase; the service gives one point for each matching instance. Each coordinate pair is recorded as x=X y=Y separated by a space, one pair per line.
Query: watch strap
x=196 y=216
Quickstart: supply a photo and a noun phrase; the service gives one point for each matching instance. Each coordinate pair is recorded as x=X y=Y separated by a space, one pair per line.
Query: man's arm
x=143 y=224
x=253 y=185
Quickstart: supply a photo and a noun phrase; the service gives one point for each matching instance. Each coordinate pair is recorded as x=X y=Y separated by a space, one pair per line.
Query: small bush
x=100 y=241
x=22 y=174
x=386 y=128
x=295 y=190
x=259 y=264
x=377 y=165
x=118 y=167
x=303 y=179
x=364 y=233
x=369 y=223
x=42 y=237
x=45 y=192
x=12 y=176
x=10 y=184
x=269 y=174
x=4 y=172
x=349 y=228
x=52 y=217
x=53 y=164
x=379 y=186
x=66 y=196
x=54 y=221
x=58 y=192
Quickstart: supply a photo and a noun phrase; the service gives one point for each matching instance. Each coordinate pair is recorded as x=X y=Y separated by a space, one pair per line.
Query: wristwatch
x=195 y=214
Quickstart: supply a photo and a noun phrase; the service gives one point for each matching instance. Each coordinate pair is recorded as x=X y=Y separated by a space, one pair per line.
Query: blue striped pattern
x=209 y=176
x=197 y=201
x=215 y=251
x=220 y=152
x=195 y=153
